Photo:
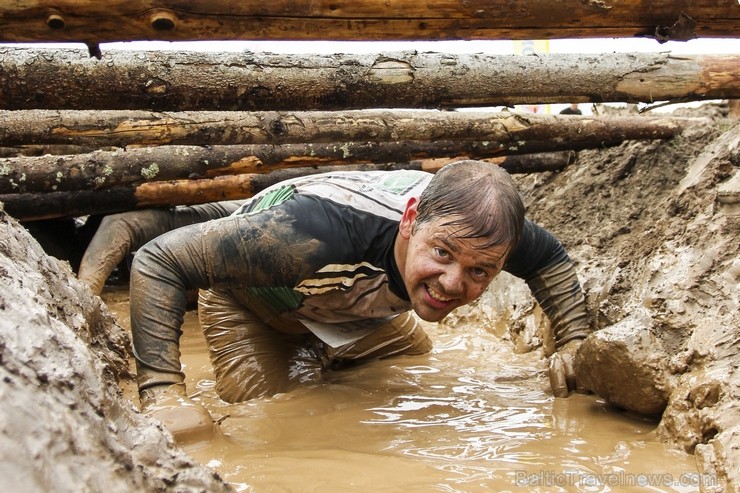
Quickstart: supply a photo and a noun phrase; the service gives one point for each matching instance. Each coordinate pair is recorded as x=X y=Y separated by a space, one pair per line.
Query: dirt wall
x=654 y=228
x=64 y=424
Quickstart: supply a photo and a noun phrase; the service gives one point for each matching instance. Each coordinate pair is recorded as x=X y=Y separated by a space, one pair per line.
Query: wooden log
x=515 y=164
x=167 y=81
x=93 y=21
x=523 y=134
x=40 y=150
x=535 y=163
x=37 y=206
x=90 y=129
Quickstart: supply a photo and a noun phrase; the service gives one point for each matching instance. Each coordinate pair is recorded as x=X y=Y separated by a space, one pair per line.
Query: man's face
x=442 y=272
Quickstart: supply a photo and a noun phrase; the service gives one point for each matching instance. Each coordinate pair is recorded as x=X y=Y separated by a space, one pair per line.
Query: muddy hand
x=562 y=374
x=187 y=420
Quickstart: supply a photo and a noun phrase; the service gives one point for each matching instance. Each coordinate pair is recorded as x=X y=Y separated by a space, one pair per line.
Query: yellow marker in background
x=530 y=47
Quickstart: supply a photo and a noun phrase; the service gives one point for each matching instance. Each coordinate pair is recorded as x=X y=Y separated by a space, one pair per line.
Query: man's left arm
x=541 y=260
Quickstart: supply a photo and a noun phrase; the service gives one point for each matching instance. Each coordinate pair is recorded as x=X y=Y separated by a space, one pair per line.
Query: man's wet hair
x=480 y=199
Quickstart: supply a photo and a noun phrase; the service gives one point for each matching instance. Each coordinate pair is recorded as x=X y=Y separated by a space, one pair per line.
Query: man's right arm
x=203 y=255
x=199 y=256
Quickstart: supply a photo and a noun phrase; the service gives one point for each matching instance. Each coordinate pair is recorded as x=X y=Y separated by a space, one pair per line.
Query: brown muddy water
x=472 y=416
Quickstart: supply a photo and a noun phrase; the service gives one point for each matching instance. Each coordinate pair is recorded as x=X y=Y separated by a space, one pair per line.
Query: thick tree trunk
x=123 y=128
x=37 y=206
x=167 y=81
x=93 y=21
x=522 y=134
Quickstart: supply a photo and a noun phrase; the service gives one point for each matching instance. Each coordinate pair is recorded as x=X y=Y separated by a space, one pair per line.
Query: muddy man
x=325 y=270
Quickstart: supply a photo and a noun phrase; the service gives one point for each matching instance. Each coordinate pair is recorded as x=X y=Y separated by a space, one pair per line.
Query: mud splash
x=472 y=416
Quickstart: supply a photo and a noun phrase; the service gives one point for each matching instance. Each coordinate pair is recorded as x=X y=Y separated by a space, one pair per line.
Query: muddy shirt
x=315 y=250
x=342 y=227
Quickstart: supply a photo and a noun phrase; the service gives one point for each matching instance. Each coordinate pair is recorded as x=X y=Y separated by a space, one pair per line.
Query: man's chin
x=431 y=315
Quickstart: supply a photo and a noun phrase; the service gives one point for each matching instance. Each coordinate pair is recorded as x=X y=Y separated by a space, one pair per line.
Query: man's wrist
x=147 y=377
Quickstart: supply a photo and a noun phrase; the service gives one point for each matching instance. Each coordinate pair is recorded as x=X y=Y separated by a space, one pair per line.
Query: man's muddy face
x=441 y=271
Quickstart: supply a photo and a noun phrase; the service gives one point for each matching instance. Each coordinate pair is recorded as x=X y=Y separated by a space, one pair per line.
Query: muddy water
x=472 y=416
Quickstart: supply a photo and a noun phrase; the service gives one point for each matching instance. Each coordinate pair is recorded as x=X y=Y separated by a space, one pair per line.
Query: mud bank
x=652 y=226
x=655 y=228
x=64 y=423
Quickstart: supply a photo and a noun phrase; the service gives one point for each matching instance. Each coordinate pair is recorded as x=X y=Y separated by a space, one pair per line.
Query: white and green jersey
x=342 y=226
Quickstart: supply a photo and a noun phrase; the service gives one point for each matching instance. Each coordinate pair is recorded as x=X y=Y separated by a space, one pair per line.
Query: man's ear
x=409 y=218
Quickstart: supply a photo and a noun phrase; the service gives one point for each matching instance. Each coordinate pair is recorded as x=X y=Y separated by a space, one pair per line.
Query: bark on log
x=40 y=150
x=123 y=128
x=93 y=21
x=523 y=134
x=33 y=206
x=166 y=81
x=516 y=164
x=535 y=163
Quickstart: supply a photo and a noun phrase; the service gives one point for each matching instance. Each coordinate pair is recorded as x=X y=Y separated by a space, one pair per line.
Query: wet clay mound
x=64 y=425
x=654 y=228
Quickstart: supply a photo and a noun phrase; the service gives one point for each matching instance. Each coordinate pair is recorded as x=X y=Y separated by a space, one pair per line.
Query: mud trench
x=653 y=228
x=472 y=416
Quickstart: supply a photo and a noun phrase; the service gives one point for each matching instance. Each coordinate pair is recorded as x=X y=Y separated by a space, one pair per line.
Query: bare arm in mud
x=124 y=233
x=541 y=260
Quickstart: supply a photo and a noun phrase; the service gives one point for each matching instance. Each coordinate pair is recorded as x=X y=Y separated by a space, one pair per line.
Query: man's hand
x=562 y=375
x=187 y=420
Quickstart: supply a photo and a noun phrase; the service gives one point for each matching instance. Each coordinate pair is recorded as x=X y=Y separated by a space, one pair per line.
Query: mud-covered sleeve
x=541 y=260
x=186 y=215
x=121 y=234
x=198 y=256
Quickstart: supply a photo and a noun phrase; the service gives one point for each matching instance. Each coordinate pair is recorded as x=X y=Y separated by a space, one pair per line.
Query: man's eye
x=439 y=252
x=479 y=273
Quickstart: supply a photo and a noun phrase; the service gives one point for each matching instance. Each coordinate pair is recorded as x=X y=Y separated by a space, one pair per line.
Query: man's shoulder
x=396 y=181
x=383 y=193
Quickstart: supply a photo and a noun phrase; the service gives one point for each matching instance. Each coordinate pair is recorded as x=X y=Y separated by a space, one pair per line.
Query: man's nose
x=451 y=280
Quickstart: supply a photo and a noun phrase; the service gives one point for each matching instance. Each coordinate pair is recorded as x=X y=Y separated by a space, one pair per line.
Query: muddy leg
x=251 y=359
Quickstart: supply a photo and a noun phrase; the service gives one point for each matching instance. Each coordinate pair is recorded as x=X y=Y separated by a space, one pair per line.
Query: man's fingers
x=188 y=423
x=570 y=374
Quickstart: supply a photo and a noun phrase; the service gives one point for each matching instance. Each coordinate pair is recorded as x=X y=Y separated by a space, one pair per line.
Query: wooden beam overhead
x=68 y=79
x=95 y=21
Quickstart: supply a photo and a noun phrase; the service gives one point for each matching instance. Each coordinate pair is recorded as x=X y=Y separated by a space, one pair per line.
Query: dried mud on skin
x=651 y=226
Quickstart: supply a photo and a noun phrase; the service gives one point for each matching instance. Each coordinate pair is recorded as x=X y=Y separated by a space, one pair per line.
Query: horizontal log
x=126 y=128
x=523 y=134
x=92 y=21
x=40 y=150
x=167 y=81
x=33 y=207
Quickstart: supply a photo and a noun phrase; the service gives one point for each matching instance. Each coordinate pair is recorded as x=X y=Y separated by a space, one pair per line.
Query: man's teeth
x=437 y=296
